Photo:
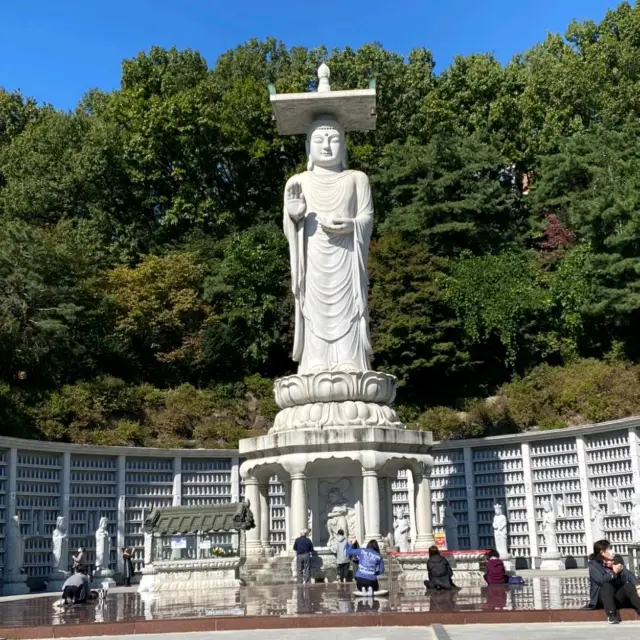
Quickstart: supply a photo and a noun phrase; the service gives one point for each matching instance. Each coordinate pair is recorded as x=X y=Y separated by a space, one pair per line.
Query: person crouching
x=496 y=572
x=439 y=572
x=370 y=566
x=611 y=585
x=76 y=588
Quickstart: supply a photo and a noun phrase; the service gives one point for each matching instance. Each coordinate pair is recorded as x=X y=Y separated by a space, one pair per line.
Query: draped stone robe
x=329 y=273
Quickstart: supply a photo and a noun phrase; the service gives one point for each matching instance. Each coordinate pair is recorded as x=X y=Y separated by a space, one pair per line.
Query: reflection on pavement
x=536 y=593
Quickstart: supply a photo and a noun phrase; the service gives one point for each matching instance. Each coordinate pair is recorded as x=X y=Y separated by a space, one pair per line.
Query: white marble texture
x=500 y=533
x=328 y=219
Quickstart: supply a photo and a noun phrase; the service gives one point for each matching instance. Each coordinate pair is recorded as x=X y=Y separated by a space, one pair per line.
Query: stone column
x=471 y=498
x=122 y=511
x=65 y=488
x=299 y=507
x=265 y=527
x=634 y=450
x=424 y=521
x=583 y=472
x=389 y=512
x=235 y=479
x=530 y=501
x=177 y=482
x=411 y=496
x=371 y=500
x=313 y=505
x=12 y=471
x=252 y=494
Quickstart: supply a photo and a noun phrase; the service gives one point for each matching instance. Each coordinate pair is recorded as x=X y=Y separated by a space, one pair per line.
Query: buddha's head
x=497 y=509
x=326 y=144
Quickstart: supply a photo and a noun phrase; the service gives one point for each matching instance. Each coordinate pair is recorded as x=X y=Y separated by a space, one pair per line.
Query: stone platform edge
x=247 y=623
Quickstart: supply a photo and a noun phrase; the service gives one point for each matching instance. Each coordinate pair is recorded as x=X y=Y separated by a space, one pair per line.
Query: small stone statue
x=451 y=528
x=560 y=507
x=60 y=546
x=14 y=555
x=616 y=503
x=549 y=531
x=401 y=529
x=500 y=533
x=103 y=545
x=635 y=519
x=597 y=521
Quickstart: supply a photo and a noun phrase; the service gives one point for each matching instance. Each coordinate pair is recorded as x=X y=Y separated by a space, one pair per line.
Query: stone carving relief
x=336 y=499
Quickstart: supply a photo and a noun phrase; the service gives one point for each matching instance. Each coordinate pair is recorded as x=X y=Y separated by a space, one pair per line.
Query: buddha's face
x=326 y=147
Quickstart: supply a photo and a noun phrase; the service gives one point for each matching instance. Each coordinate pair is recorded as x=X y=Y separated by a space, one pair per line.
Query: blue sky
x=55 y=50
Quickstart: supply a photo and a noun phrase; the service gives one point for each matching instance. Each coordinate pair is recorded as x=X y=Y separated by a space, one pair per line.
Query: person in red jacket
x=496 y=573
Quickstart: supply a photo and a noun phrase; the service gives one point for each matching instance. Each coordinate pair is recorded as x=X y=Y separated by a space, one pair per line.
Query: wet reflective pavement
x=542 y=593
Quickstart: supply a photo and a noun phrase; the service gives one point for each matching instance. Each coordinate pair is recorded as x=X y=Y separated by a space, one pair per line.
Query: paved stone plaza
x=540 y=599
x=560 y=631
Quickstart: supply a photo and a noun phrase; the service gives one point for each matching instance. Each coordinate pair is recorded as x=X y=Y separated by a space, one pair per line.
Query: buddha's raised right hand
x=295 y=202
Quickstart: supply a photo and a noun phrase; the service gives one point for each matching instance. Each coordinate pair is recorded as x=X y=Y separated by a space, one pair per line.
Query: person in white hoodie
x=339 y=548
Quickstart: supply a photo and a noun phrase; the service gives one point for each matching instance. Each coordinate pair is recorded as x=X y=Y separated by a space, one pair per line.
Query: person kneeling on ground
x=339 y=548
x=611 y=585
x=76 y=589
x=439 y=572
x=370 y=566
x=496 y=573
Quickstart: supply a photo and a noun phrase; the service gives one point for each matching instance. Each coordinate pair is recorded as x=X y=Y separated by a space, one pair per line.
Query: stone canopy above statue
x=174 y=521
x=354 y=110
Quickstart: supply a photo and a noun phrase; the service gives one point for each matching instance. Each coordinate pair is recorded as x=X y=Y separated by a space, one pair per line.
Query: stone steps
x=268 y=571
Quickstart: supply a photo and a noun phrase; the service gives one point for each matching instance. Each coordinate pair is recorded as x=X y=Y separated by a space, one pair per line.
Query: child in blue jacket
x=370 y=566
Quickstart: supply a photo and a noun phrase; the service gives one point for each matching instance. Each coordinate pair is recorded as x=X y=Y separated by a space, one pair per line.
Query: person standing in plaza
x=339 y=548
x=303 y=548
x=78 y=559
x=127 y=553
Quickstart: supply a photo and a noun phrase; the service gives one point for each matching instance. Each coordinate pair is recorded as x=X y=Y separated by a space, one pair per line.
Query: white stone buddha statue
x=328 y=218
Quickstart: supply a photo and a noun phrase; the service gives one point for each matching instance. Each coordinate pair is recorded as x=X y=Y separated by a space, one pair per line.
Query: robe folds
x=329 y=273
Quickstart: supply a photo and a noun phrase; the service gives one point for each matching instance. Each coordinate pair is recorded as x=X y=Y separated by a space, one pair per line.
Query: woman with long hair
x=370 y=566
x=439 y=572
x=611 y=585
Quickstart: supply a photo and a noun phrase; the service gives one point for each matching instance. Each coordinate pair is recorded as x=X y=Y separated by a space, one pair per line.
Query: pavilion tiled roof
x=174 y=521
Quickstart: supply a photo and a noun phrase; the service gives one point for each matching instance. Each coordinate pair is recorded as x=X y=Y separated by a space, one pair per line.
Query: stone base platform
x=196 y=575
x=468 y=566
x=15 y=585
x=334 y=441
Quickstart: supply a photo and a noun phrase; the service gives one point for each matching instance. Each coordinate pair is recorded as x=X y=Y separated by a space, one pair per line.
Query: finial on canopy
x=323 y=78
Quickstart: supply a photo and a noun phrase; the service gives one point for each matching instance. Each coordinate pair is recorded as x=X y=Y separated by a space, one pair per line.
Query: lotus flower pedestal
x=336 y=446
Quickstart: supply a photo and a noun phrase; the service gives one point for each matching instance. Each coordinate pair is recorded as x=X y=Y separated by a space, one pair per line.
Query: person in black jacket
x=611 y=585
x=303 y=548
x=439 y=572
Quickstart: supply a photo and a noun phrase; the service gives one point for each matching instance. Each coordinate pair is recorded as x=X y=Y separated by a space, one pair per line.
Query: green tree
x=593 y=184
x=415 y=333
